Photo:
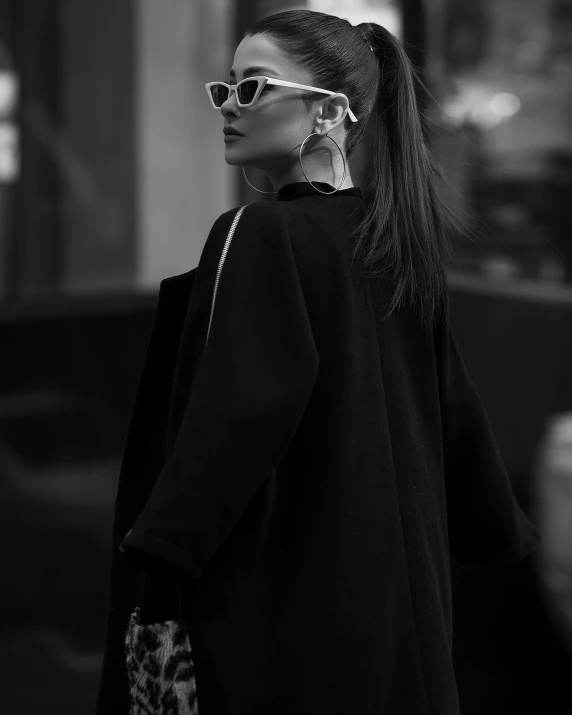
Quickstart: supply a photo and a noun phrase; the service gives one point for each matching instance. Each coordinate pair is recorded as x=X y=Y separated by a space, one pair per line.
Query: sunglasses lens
x=246 y=92
x=219 y=93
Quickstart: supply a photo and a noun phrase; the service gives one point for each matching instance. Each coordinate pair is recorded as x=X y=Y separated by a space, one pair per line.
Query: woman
x=308 y=486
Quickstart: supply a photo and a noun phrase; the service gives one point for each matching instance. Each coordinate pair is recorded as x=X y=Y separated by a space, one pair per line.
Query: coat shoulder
x=255 y=211
x=177 y=280
x=261 y=221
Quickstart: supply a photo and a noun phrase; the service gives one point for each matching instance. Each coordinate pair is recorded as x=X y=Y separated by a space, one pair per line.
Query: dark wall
x=519 y=352
x=509 y=656
x=68 y=375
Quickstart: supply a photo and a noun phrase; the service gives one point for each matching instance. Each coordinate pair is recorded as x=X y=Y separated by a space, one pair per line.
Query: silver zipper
x=223 y=256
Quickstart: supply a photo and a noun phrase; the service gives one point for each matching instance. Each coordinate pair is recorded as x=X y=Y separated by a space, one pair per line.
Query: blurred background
x=112 y=173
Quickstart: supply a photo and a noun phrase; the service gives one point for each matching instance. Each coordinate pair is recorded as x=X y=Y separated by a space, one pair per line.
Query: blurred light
x=504 y=104
x=481 y=104
x=8 y=93
x=9 y=168
x=500 y=268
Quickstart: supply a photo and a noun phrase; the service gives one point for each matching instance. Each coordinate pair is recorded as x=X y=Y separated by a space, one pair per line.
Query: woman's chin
x=232 y=161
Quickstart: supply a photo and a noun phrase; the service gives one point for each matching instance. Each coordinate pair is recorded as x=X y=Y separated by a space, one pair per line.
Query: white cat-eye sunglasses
x=249 y=89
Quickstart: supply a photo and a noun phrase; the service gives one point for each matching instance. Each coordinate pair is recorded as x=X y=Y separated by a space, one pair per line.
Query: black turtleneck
x=304 y=188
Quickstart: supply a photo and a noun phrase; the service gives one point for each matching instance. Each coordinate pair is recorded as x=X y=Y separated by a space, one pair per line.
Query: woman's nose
x=230 y=103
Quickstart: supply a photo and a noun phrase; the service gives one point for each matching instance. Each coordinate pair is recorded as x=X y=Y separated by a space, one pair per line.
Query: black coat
x=307 y=481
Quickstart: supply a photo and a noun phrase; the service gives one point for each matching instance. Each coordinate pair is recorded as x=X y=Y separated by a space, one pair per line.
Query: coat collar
x=304 y=188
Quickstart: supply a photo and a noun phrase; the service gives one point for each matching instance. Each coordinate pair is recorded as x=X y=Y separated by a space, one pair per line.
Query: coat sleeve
x=249 y=394
x=486 y=523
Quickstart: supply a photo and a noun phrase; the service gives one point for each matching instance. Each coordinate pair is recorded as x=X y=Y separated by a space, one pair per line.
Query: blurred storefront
x=503 y=77
x=112 y=172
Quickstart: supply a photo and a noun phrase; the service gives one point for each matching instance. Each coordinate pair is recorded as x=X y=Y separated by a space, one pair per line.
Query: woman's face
x=275 y=127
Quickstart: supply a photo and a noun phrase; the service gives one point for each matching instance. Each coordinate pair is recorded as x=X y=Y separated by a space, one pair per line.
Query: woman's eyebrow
x=254 y=70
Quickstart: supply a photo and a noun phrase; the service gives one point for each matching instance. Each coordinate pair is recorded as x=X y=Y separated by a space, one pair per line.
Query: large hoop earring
x=301 y=166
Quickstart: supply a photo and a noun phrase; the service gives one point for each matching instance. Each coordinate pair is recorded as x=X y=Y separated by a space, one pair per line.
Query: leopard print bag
x=160 y=668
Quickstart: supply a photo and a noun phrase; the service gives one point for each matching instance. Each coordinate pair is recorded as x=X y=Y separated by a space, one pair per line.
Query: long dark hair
x=406 y=232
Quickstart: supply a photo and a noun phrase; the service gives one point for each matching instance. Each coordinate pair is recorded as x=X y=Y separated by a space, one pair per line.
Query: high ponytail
x=406 y=234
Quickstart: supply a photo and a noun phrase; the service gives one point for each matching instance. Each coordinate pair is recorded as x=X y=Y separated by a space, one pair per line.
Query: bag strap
x=221 y=261
x=231 y=231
